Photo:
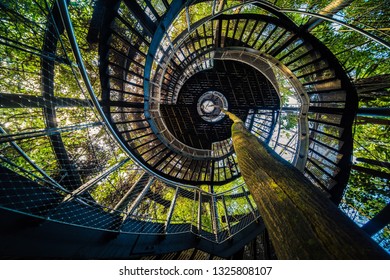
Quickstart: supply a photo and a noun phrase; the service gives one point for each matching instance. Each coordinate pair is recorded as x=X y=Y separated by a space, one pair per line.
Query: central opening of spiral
x=209 y=106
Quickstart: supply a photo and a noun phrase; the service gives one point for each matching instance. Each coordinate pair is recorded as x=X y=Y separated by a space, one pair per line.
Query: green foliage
x=23 y=29
x=357 y=54
x=372 y=142
x=199 y=11
x=366 y=195
x=288 y=121
x=186 y=212
x=156 y=205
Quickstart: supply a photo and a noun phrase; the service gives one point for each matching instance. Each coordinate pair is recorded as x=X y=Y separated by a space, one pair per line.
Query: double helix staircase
x=155 y=171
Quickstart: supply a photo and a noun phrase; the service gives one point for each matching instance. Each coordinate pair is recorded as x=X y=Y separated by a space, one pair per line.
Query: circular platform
x=209 y=106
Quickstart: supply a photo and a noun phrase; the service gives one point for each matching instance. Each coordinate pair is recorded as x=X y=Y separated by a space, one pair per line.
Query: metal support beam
x=53 y=31
x=122 y=104
x=45 y=132
x=374 y=162
x=140 y=197
x=372 y=172
x=121 y=205
x=214 y=215
x=249 y=203
x=199 y=221
x=142 y=17
x=170 y=211
x=188 y=19
x=88 y=185
x=227 y=216
x=8 y=100
x=374 y=112
x=381 y=220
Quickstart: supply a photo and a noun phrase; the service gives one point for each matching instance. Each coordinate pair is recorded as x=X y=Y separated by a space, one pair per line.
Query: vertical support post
x=139 y=198
x=199 y=222
x=188 y=19
x=249 y=203
x=214 y=215
x=170 y=211
x=252 y=120
x=121 y=205
x=227 y=216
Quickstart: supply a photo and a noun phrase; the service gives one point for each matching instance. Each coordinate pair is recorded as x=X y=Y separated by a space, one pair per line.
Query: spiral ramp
x=112 y=142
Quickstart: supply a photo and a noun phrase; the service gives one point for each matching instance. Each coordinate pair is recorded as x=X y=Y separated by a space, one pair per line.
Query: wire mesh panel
x=45 y=114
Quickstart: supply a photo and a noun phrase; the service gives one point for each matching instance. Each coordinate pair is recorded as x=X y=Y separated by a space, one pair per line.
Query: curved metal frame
x=76 y=51
x=250 y=58
x=181 y=38
x=174 y=10
x=278 y=12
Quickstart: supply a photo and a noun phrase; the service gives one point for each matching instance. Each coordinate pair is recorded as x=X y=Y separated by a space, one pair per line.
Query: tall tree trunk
x=302 y=222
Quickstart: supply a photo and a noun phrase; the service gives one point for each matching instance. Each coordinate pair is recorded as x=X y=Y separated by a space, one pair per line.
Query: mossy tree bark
x=302 y=222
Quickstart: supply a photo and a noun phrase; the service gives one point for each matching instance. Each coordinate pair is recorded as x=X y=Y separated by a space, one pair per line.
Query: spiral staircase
x=115 y=145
